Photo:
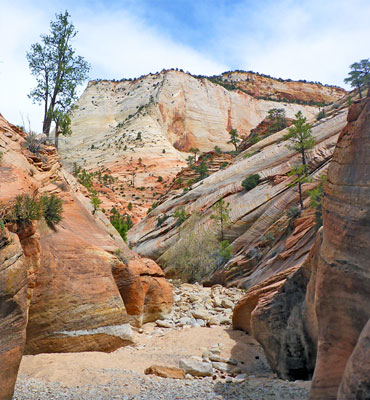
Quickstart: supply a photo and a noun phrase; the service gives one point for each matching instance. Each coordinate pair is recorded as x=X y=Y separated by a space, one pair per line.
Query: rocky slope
x=62 y=277
x=259 y=223
x=218 y=362
x=313 y=322
x=147 y=125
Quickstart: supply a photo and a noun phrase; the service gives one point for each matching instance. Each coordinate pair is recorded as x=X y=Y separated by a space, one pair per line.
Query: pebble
x=194 y=306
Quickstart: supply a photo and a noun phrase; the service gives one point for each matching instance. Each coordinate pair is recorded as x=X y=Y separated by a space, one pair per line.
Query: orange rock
x=13 y=310
x=342 y=282
x=165 y=372
x=146 y=293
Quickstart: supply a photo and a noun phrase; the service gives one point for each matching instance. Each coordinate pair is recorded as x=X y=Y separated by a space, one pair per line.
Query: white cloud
x=306 y=39
x=118 y=45
x=312 y=39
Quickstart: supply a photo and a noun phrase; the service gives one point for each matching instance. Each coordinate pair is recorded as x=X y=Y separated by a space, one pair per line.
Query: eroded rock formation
x=258 y=217
x=13 y=310
x=75 y=304
x=314 y=320
x=138 y=131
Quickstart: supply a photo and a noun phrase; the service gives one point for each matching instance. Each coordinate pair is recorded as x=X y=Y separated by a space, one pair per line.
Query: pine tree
x=58 y=70
x=301 y=140
x=234 y=138
x=359 y=76
x=221 y=216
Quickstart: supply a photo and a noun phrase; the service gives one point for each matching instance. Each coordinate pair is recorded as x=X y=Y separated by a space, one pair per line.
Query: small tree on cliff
x=301 y=140
x=359 y=75
x=195 y=151
x=58 y=70
x=234 y=138
x=221 y=216
x=277 y=118
x=62 y=125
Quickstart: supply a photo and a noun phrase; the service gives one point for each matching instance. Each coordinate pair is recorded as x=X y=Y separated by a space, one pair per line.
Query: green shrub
x=254 y=138
x=160 y=220
x=129 y=207
x=33 y=143
x=122 y=223
x=226 y=250
x=1 y=156
x=315 y=201
x=25 y=209
x=194 y=255
x=154 y=205
x=52 y=209
x=293 y=212
x=251 y=182
x=321 y=115
x=160 y=179
x=180 y=215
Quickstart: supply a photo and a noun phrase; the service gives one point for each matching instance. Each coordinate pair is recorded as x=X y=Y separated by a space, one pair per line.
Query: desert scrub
x=315 y=201
x=122 y=223
x=24 y=209
x=52 y=208
x=197 y=253
x=180 y=215
x=251 y=182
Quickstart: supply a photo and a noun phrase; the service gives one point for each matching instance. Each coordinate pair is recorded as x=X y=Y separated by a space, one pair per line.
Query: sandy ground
x=153 y=347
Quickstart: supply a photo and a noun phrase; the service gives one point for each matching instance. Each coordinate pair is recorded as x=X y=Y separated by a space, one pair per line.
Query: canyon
x=140 y=131
x=286 y=305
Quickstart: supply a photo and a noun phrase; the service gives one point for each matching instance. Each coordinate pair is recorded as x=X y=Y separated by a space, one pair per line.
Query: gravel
x=135 y=386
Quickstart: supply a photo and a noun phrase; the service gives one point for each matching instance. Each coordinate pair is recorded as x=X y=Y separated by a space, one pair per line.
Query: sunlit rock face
x=71 y=296
x=140 y=130
x=315 y=321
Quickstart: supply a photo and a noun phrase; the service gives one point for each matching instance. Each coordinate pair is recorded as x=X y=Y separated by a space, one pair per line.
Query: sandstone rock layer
x=75 y=304
x=13 y=310
x=342 y=288
x=140 y=130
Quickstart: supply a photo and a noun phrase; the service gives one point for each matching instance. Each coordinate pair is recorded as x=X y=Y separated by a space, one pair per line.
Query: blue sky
x=297 y=39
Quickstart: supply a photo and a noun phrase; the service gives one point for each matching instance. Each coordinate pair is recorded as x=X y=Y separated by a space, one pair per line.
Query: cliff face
x=262 y=86
x=343 y=267
x=253 y=213
x=62 y=278
x=144 y=127
x=13 y=310
x=313 y=321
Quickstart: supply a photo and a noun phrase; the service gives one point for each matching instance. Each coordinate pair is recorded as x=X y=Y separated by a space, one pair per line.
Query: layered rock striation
x=313 y=322
x=259 y=221
x=61 y=276
x=13 y=310
x=146 y=126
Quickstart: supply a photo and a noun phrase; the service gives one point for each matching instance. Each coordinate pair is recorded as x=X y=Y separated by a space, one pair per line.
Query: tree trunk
x=359 y=91
x=222 y=228
x=304 y=162
x=300 y=195
x=46 y=125
x=56 y=139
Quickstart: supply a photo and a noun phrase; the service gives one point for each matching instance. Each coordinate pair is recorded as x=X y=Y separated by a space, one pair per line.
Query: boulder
x=165 y=372
x=146 y=293
x=76 y=305
x=196 y=368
